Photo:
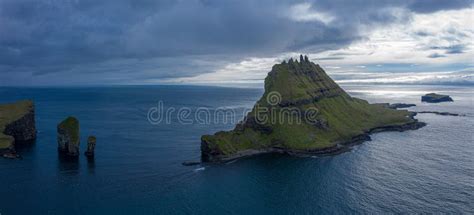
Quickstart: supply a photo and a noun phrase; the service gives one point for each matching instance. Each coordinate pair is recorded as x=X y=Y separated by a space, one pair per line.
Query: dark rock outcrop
x=23 y=129
x=11 y=154
x=436 y=98
x=191 y=163
x=400 y=105
x=68 y=137
x=91 y=141
x=441 y=113
x=395 y=105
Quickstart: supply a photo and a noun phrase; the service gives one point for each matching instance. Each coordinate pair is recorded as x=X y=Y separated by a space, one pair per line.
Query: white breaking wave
x=200 y=169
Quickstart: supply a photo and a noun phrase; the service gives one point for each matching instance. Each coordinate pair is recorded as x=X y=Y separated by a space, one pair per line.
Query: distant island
x=436 y=98
x=17 y=124
x=292 y=90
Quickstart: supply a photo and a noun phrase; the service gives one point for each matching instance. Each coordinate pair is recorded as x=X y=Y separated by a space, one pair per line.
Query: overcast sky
x=220 y=42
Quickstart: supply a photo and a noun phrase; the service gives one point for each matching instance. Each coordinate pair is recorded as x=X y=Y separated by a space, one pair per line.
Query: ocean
x=137 y=167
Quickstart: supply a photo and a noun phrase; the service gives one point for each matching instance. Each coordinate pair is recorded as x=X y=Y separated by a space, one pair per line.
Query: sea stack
x=436 y=98
x=68 y=137
x=91 y=140
x=17 y=125
x=304 y=112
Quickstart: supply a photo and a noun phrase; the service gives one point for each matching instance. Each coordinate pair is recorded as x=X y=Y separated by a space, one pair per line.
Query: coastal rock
x=400 y=105
x=395 y=105
x=304 y=112
x=17 y=125
x=191 y=163
x=68 y=136
x=11 y=154
x=91 y=141
x=441 y=113
x=436 y=98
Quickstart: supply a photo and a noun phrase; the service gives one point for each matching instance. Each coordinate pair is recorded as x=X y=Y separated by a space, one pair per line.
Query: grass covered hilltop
x=330 y=120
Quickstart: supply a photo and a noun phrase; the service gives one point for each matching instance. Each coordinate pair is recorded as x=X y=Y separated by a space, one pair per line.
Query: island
x=91 y=141
x=68 y=137
x=436 y=98
x=304 y=112
x=401 y=105
x=17 y=125
x=396 y=105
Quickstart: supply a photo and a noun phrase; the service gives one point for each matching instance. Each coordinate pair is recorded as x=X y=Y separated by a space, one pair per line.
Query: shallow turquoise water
x=138 y=168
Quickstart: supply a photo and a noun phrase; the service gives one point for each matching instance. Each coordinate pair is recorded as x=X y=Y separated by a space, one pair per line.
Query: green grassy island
x=303 y=111
x=17 y=123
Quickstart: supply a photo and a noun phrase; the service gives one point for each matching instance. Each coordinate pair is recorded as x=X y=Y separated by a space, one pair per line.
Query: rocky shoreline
x=333 y=150
x=441 y=113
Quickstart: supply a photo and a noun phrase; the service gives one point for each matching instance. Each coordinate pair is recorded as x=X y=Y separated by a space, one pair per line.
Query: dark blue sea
x=137 y=168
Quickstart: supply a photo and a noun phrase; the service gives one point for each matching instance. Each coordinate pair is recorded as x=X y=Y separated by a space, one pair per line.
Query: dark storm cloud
x=436 y=55
x=423 y=33
x=453 y=49
x=429 y=6
x=330 y=58
x=73 y=38
x=456 y=49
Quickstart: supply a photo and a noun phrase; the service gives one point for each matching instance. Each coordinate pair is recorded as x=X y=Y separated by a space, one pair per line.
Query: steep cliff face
x=303 y=111
x=68 y=136
x=17 y=123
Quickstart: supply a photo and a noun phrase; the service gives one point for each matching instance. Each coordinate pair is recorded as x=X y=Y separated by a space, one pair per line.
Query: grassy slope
x=8 y=114
x=346 y=116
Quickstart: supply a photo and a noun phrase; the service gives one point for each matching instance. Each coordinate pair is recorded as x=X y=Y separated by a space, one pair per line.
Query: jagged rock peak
x=303 y=60
x=299 y=82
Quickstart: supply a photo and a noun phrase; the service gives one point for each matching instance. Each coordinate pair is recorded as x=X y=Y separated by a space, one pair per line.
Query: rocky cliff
x=68 y=137
x=17 y=124
x=303 y=111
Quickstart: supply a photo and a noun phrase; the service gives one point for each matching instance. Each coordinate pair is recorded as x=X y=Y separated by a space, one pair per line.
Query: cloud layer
x=46 y=42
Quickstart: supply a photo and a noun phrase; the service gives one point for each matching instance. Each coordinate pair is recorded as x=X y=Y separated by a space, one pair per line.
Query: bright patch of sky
x=434 y=48
x=304 y=12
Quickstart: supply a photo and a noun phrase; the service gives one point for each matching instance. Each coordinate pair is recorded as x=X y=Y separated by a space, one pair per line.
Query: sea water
x=137 y=167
